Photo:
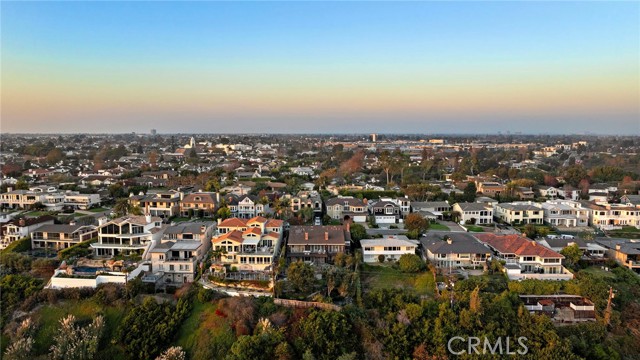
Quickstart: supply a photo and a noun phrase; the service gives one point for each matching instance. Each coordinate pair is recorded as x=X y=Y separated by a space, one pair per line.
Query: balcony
x=633 y=263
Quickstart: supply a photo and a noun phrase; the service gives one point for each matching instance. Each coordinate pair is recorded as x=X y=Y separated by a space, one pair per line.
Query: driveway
x=453 y=227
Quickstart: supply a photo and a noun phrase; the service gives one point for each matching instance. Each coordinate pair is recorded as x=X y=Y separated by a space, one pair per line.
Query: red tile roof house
x=526 y=259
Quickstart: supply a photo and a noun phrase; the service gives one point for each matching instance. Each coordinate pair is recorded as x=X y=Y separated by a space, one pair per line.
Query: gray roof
x=462 y=243
x=626 y=246
x=60 y=228
x=563 y=243
x=187 y=228
x=518 y=207
x=473 y=207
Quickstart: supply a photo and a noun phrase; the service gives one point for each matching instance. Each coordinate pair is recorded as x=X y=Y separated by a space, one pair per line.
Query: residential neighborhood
x=321 y=224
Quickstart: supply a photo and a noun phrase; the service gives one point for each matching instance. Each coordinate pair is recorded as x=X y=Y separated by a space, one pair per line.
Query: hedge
x=79 y=249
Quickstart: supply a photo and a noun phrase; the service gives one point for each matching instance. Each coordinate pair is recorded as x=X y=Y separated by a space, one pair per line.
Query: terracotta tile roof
x=253 y=230
x=274 y=223
x=257 y=219
x=235 y=235
x=516 y=244
x=233 y=222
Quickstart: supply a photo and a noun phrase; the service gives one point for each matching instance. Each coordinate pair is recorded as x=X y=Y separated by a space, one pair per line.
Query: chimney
x=9 y=189
x=449 y=241
x=72 y=223
x=617 y=247
x=147 y=218
x=348 y=226
x=217 y=197
x=219 y=221
x=306 y=235
x=21 y=223
x=326 y=236
x=102 y=221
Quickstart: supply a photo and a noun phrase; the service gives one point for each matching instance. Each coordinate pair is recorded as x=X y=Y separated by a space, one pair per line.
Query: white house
x=474 y=212
x=391 y=247
x=128 y=235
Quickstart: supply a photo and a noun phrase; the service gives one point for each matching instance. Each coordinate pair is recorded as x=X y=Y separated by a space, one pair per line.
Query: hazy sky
x=362 y=67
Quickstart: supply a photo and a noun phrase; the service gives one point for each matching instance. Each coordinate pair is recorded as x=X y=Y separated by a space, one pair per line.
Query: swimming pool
x=88 y=269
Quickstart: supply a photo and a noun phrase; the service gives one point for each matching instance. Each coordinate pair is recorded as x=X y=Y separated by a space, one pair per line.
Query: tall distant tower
x=192 y=142
x=373 y=137
x=153 y=131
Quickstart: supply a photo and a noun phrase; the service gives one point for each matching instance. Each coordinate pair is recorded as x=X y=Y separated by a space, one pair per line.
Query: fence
x=306 y=304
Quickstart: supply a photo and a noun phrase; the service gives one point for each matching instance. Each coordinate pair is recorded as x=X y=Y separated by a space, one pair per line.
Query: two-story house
x=75 y=200
x=624 y=251
x=385 y=212
x=21 y=199
x=613 y=216
x=565 y=213
x=248 y=245
x=474 y=213
x=390 y=247
x=452 y=250
x=340 y=207
x=128 y=235
x=61 y=236
x=175 y=260
x=201 y=204
x=163 y=205
x=519 y=213
x=491 y=189
x=249 y=207
x=526 y=259
x=306 y=199
x=19 y=228
x=317 y=244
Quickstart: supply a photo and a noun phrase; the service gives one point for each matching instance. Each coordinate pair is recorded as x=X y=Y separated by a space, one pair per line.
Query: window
x=170 y=267
x=161 y=257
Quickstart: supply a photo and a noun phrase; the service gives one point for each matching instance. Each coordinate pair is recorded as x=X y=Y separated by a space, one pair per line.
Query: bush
x=410 y=263
x=381 y=258
x=78 y=250
x=205 y=295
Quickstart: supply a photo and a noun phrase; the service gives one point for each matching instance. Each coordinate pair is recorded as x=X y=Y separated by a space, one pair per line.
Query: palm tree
x=218 y=252
x=122 y=207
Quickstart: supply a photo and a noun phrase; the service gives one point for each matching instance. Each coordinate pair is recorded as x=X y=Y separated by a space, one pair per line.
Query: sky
x=320 y=67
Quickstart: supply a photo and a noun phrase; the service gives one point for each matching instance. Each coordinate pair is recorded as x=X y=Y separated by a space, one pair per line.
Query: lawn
x=626 y=232
x=98 y=209
x=386 y=277
x=438 y=226
x=37 y=213
x=597 y=271
x=474 y=228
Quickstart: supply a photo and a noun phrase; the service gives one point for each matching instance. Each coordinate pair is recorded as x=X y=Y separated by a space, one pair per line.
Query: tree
x=531 y=231
x=223 y=213
x=54 y=156
x=122 y=207
x=470 y=192
x=74 y=342
x=22 y=184
x=572 y=255
x=381 y=258
x=410 y=263
x=416 y=222
x=358 y=232
x=172 y=353
x=573 y=174
x=301 y=276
